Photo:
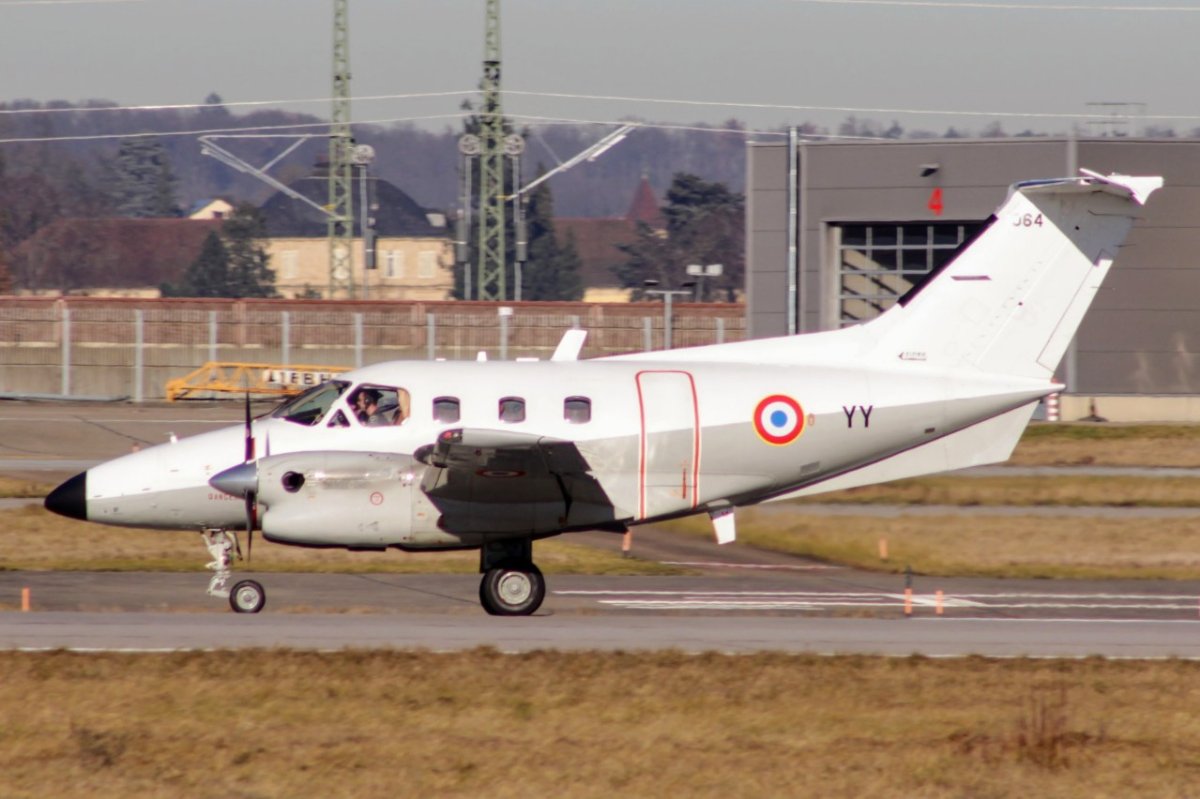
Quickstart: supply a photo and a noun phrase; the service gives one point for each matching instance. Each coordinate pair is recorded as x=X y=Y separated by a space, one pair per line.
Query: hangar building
x=836 y=231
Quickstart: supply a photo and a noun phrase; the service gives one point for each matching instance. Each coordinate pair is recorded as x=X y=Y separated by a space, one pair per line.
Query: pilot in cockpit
x=366 y=405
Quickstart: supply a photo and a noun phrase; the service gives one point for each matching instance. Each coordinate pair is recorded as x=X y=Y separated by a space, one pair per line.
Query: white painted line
x=764 y=566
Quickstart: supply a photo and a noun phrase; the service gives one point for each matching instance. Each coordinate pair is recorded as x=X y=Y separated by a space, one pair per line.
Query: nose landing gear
x=246 y=596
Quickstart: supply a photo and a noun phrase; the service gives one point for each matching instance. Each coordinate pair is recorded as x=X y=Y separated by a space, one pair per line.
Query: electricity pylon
x=341 y=159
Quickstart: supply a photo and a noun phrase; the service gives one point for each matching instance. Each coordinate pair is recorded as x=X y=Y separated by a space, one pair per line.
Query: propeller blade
x=249 y=453
x=251 y=522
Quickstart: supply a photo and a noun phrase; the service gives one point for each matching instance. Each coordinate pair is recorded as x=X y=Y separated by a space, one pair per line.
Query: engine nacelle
x=358 y=500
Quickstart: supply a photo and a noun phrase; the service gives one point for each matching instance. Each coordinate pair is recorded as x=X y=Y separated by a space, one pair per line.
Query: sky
x=875 y=59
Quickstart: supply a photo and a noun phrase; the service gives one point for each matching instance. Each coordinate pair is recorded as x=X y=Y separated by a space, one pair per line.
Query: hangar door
x=877 y=262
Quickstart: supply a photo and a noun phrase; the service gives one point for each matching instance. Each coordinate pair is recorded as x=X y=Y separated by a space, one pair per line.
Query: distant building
x=109 y=256
x=870 y=219
x=598 y=241
x=414 y=254
x=211 y=209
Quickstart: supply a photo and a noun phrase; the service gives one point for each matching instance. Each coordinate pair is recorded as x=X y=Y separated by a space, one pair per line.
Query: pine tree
x=233 y=264
x=552 y=271
x=250 y=274
x=144 y=185
x=207 y=276
x=705 y=225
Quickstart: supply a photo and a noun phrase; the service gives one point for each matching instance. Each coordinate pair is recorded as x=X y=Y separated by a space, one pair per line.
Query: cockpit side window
x=311 y=406
x=378 y=406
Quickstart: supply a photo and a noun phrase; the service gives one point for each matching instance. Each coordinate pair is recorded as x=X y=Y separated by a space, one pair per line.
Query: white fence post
x=66 y=351
x=212 y=336
x=139 y=358
x=358 y=340
x=285 y=333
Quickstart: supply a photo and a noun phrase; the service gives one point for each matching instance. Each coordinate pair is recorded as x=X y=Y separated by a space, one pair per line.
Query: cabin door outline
x=668 y=442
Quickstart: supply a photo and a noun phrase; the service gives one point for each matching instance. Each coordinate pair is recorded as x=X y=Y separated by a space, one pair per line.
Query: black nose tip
x=70 y=498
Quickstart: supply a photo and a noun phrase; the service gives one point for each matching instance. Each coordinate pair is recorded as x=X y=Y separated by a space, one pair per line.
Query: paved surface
x=730 y=606
x=940 y=638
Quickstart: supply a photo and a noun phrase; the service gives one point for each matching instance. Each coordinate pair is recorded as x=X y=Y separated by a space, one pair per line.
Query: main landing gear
x=511 y=584
x=246 y=596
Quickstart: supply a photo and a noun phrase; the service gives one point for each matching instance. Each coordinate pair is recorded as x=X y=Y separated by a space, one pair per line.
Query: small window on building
x=512 y=409
x=289 y=265
x=446 y=410
x=427 y=263
x=577 y=410
x=393 y=263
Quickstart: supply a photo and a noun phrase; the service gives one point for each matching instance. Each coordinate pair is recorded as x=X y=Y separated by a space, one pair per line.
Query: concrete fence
x=77 y=347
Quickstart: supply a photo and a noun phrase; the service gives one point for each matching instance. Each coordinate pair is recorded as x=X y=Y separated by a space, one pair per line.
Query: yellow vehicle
x=254 y=378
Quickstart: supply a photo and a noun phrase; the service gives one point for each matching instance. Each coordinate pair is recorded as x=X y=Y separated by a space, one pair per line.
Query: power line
x=973 y=6
x=235 y=104
x=64 y=2
x=146 y=134
x=842 y=109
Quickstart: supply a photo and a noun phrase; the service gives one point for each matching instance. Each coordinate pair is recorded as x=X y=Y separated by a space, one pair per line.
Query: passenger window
x=446 y=410
x=512 y=409
x=577 y=410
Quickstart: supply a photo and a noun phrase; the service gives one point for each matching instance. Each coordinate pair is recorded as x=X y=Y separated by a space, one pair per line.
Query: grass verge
x=281 y=724
x=978 y=546
x=1078 y=443
x=18 y=488
x=1057 y=491
x=32 y=539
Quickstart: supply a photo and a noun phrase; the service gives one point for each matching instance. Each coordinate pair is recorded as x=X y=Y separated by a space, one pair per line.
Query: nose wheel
x=247 y=596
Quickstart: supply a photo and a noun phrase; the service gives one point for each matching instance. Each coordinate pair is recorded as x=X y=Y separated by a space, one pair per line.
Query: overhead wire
x=841 y=109
x=977 y=6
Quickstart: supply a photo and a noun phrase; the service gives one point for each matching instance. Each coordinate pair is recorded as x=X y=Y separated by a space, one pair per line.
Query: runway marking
x=816 y=600
x=765 y=566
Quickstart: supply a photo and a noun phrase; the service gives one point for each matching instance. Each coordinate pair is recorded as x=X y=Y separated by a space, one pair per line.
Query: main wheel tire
x=512 y=590
x=247 y=596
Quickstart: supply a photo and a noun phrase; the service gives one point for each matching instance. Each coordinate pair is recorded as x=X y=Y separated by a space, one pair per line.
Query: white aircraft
x=495 y=455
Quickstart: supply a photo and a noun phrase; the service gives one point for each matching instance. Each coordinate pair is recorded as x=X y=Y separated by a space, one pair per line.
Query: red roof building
x=109 y=255
x=597 y=241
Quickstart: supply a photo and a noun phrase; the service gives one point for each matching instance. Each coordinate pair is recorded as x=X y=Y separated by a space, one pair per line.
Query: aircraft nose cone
x=70 y=498
x=237 y=481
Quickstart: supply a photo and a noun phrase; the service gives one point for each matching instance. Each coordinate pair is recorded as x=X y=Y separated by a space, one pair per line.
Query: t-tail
x=1011 y=301
x=996 y=320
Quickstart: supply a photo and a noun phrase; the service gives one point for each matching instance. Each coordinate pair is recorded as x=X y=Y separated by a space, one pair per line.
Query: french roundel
x=778 y=419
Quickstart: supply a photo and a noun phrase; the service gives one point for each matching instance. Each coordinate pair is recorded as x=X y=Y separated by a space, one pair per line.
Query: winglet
x=723 y=525
x=569 y=345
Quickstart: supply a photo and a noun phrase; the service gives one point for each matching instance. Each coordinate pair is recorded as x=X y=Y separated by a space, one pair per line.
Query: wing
x=500 y=481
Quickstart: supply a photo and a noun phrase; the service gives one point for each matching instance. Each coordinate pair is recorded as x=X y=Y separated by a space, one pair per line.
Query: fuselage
x=661 y=439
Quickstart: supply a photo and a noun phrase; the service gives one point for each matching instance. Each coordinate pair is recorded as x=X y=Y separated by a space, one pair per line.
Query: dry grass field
x=1078 y=444
x=34 y=539
x=385 y=724
x=1083 y=547
x=266 y=724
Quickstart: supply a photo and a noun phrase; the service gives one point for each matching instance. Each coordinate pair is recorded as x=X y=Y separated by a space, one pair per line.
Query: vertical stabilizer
x=1011 y=302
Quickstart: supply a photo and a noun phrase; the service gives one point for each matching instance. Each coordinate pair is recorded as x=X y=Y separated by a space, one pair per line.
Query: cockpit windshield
x=310 y=407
